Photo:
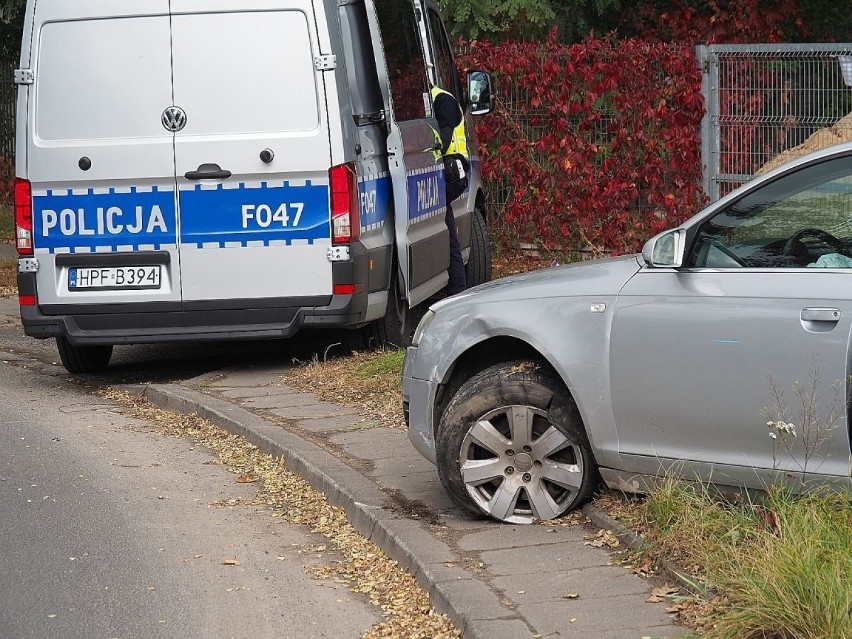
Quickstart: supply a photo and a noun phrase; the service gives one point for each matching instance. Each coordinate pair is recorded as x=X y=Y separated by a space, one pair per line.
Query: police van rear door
x=253 y=154
x=99 y=160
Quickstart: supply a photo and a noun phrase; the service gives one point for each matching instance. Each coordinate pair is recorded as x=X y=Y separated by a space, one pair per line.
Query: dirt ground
x=839 y=132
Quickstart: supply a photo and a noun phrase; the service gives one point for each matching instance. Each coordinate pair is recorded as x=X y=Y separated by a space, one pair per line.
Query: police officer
x=450 y=119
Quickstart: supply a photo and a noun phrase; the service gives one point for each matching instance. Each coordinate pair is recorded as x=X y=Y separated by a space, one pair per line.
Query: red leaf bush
x=593 y=147
x=7 y=181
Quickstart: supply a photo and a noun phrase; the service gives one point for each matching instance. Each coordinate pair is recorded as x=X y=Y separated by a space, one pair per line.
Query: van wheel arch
x=394 y=328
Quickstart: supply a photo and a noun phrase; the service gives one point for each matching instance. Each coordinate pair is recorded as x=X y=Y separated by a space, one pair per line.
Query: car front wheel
x=511 y=445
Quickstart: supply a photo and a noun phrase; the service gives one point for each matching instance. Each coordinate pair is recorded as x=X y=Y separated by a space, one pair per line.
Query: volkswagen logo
x=174 y=118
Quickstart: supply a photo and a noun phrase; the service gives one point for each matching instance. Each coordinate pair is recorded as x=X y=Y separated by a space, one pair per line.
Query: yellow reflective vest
x=458 y=145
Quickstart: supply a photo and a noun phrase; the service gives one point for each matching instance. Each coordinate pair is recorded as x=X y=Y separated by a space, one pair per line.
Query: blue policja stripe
x=374 y=194
x=106 y=221
x=269 y=213
x=427 y=194
x=91 y=221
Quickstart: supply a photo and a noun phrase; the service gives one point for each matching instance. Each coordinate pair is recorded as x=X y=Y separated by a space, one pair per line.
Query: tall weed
x=792 y=580
x=780 y=565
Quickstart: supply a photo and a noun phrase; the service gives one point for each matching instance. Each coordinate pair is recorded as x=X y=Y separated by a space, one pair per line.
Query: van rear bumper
x=152 y=323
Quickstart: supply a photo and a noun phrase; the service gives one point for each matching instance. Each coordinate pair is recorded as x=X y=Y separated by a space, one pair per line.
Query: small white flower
x=773 y=435
x=786 y=427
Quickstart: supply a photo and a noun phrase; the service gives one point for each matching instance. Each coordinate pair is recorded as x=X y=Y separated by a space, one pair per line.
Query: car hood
x=603 y=277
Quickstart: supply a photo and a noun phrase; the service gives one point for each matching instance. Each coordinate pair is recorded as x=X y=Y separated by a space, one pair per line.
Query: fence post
x=708 y=63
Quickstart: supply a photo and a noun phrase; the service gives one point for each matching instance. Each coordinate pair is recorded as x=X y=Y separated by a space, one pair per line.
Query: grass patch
x=780 y=566
x=384 y=365
x=368 y=381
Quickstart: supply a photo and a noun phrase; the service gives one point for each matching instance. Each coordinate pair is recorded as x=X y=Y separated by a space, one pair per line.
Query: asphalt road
x=110 y=530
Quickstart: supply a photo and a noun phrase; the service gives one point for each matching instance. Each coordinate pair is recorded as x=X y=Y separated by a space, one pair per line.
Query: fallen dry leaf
x=247 y=479
x=664 y=591
x=231 y=562
x=601 y=539
x=571 y=595
x=645 y=569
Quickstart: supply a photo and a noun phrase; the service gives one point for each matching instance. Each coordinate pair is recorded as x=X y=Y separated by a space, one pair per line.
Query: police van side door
x=253 y=159
x=414 y=161
x=100 y=162
x=444 y=74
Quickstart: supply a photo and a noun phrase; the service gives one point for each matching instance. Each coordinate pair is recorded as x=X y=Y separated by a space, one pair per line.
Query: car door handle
x=820 y=314
x=208 y=172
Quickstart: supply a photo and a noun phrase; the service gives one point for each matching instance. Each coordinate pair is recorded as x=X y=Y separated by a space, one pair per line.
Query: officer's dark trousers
x=458 y=281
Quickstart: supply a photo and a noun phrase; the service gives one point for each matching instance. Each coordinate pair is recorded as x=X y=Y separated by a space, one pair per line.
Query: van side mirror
x=479 y=92
x=665 y=250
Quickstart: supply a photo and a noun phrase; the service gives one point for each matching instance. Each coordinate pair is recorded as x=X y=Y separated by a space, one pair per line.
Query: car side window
x=802 y=219
x=405 y=62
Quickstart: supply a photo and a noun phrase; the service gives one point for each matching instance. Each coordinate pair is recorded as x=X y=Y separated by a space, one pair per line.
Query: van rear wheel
x=478 y=267
x=83 y=359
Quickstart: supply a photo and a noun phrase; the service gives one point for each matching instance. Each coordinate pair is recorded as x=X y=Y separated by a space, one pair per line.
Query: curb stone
x=402 y=539
x=633 y=541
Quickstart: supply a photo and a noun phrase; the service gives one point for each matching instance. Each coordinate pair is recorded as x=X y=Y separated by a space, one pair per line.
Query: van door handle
x=208 y=172
x=820 y=314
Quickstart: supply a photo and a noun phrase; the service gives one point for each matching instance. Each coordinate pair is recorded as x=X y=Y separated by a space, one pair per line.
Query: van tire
x=83 y=359
x=478 y=267
x=394 y=329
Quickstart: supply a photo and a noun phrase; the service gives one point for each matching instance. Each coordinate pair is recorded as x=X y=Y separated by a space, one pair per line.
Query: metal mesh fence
x=768 y=104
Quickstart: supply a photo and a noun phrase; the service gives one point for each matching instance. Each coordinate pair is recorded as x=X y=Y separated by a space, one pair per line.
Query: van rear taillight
x=345 y=221
x=23 y=216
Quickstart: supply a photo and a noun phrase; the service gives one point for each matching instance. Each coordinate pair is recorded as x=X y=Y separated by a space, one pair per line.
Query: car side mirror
x=665 y=250
x=479 y=92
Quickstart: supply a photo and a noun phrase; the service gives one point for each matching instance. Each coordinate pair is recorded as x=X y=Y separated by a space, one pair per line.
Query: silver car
x=721 y=353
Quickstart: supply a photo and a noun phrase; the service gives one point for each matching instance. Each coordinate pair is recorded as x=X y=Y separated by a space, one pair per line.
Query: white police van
x=232 y=169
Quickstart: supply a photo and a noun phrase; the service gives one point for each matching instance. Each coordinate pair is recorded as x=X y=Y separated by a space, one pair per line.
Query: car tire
x=511 y=445
x=83 y=359
x=394 y=328
x=478 y=267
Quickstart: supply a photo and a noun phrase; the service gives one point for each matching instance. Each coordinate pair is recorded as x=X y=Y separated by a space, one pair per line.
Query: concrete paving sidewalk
x=493 y=580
